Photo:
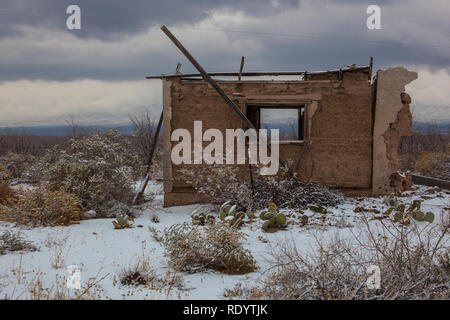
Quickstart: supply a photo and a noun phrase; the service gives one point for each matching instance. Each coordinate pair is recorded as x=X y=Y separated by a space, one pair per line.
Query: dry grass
x=11 y=242
x=7 y=195
x=426 y=153
x=215 y=246
x=35 y=289
x=433 y=164
x=42 y=207
x=22 y=143
x=56 y=243
x=413 y=263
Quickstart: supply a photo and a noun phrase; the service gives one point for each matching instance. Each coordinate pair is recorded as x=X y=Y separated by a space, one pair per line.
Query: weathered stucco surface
x=392 y=120
x=340 y=126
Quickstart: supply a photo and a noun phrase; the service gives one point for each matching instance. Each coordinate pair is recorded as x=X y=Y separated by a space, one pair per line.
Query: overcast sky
x=48 y=72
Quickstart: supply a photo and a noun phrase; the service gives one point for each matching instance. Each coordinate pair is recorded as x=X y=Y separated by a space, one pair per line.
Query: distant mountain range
x=62 y=130
x=443 y=126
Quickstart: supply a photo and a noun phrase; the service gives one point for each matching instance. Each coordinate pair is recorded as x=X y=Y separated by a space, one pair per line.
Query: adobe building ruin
x=349 y=125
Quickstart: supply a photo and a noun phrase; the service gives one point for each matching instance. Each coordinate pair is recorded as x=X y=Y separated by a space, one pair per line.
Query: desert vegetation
x=413 y=263
x=67 y=176
x=220 y=183
x=253 y=230
x=426 y=152
x=216 y=246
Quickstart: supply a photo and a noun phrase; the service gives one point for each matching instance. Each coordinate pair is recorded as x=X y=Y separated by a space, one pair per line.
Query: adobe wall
x=392 y=120
x=340 y=153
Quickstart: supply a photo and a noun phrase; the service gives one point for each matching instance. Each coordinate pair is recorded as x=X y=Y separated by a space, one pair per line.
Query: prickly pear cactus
x=400 y=208
x=415 y=206
x=272 y=219
x=318 y=209
x=391 y=200
x=429 y=217
x=280 y=219
x=122 y=221
x=413 y=212
x=398 y=216
x=266 y=215
x=266 y=225
x=226 y=210
x=389 y=211
x=250 y=214
x=417 y=215
x=202 y=218
x=228 y=214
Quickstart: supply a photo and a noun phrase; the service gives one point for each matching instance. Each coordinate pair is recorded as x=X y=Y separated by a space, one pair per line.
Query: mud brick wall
x=340 y=129
x=392 y=121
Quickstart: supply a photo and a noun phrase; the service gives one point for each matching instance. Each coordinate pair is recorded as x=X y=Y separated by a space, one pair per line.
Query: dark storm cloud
x=48 y=72
x=107 y=19
x=118 y=42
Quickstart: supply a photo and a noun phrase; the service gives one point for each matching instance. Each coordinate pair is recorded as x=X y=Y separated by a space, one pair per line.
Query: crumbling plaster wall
x=340 y=124
x=392 y=121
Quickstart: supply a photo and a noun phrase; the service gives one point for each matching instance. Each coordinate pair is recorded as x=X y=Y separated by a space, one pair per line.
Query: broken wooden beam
x=300 y=157
x=214 y=84
x=431 y=182
x=140 y=193
x=177 y=71
x=259 y=74
x=241 y=68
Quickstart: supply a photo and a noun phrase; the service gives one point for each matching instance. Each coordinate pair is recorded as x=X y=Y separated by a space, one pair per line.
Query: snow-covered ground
x=101 y=252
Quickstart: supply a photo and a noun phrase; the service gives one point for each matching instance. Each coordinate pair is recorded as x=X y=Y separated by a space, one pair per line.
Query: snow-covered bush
x=215 y=246
x=43 y=207
x=221 y=183
x=101 y=167
x=17 y=164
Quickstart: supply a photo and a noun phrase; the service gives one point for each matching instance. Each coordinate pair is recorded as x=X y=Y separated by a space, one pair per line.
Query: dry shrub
x=433 y=164
x=17 y=164
x=426 y=162
x=413 y=262
x=215 y=246
x=5 y=176
x=7 y=195
x=35 y=289
x=10 y=242
x=43 y=207
x=221 y=183
x=23 y=143
x=137 y=274
x=143 y=140
x=101 y=167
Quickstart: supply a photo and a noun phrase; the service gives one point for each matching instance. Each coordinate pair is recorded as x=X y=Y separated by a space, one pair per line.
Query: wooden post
x=144 y=183
x=299 y=160
x=177 y=71
x=241 y=68
x=214 y=84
